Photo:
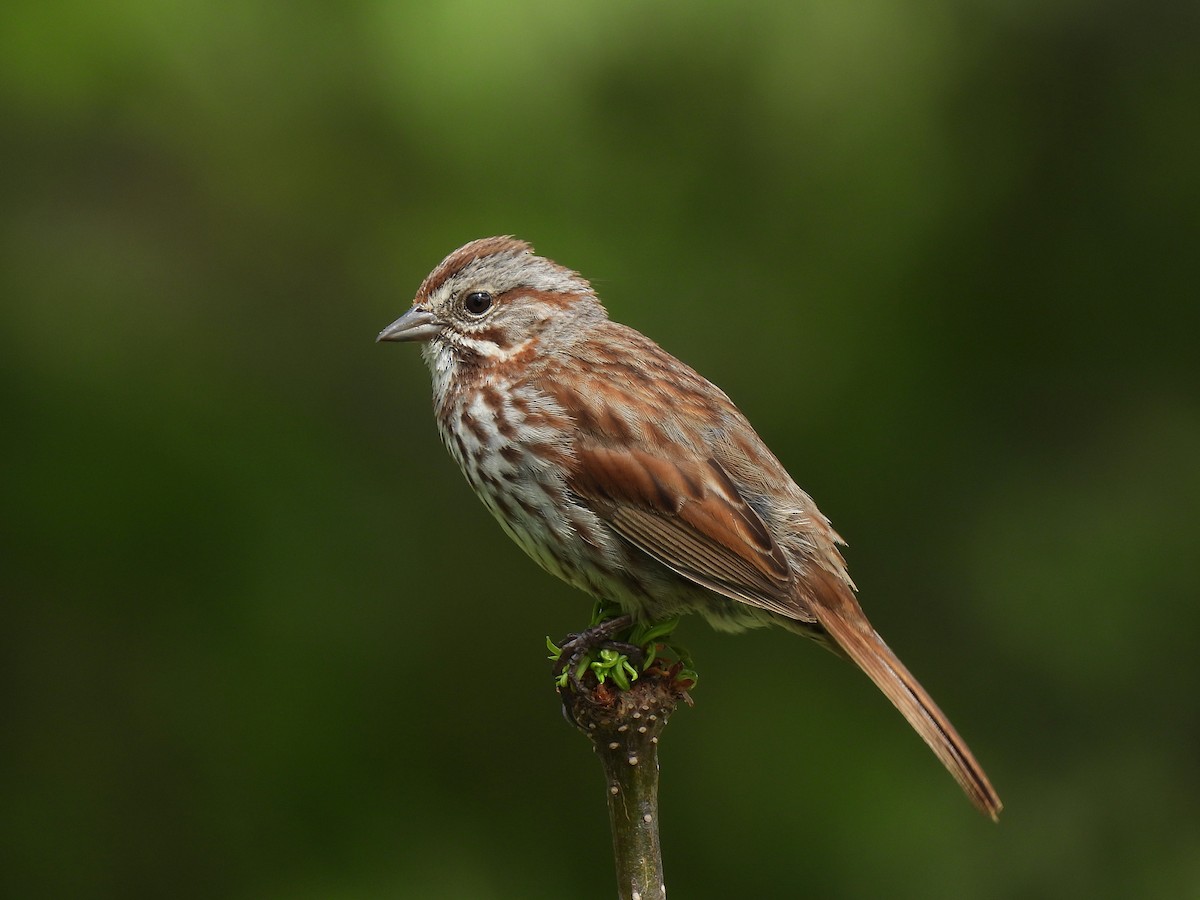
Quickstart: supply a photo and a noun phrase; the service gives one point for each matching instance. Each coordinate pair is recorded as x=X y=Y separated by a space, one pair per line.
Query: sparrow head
x=491 y=299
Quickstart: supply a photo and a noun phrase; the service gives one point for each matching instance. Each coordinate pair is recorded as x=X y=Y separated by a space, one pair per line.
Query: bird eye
x=477 y=302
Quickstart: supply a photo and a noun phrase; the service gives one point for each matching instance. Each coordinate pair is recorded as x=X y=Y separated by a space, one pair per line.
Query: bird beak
x=415 y=325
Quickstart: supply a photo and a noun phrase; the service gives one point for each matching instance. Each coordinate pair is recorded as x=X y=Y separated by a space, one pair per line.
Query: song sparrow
x=626 y=474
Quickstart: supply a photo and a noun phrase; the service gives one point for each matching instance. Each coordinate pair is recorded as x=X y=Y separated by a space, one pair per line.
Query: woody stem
x=624 y=728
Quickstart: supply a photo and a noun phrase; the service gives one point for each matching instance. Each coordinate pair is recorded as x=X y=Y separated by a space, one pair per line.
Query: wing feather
x=691 y=518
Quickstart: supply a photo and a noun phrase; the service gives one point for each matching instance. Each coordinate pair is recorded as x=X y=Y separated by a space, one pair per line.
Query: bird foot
x=574 y=651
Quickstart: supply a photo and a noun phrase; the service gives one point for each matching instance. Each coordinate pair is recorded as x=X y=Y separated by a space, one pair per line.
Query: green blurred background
x=259 y=639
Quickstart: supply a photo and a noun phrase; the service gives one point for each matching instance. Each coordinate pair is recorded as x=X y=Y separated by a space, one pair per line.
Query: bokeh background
x=259 y=639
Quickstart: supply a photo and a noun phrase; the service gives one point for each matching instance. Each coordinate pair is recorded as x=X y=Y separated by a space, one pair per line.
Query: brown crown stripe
x=464 y=256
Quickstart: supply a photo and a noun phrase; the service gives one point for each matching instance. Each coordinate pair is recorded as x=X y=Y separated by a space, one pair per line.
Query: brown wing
x=690 y=517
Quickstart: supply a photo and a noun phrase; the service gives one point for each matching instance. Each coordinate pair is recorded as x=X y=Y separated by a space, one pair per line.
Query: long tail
x=847 y=625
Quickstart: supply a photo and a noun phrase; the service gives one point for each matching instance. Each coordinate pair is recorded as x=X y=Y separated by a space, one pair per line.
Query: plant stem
x=624 y=728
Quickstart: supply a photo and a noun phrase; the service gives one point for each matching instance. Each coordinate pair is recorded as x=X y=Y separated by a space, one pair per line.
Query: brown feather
x=841 y=617
x=671 y=511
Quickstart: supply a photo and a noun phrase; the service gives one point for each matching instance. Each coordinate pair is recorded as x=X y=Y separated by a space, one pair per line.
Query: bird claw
x=575 y=649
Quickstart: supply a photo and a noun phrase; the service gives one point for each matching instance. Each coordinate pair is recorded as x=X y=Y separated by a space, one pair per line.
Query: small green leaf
x=610 y=665
x=655 y=633
x=682 y=654
x=621 y=678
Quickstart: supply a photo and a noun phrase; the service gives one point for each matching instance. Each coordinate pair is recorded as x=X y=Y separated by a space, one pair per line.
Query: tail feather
x=846 y=624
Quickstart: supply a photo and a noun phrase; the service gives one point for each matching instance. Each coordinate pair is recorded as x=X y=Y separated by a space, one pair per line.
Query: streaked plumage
x=625 y=473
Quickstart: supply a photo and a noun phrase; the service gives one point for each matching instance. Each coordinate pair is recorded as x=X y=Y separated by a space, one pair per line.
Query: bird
x=625 y=473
